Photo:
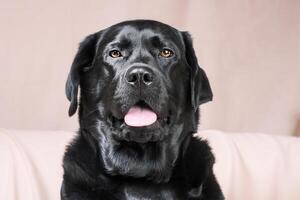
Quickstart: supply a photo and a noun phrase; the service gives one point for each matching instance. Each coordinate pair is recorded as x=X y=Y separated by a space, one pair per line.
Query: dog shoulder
x=199 y=161
x=199 y=151
x=77 y=164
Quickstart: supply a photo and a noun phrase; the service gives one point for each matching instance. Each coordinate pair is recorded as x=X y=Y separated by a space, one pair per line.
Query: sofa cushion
x=248 y=166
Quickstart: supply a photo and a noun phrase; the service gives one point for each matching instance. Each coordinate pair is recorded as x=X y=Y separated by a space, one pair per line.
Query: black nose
x=139 y=75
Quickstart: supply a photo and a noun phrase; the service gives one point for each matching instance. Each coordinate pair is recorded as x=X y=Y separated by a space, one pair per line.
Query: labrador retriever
x=140 y=89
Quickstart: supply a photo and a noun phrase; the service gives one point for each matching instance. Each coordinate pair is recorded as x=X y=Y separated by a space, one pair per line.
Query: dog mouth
x=140 y=123
x=140 y=115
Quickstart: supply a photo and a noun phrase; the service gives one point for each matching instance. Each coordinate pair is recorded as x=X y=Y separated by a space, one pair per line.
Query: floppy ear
x=200 y=87
x=82 y=62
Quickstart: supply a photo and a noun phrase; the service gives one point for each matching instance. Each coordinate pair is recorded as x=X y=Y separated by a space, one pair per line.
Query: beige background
x=249 y=49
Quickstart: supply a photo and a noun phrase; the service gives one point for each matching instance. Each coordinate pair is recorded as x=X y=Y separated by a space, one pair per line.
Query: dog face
x=140 y=83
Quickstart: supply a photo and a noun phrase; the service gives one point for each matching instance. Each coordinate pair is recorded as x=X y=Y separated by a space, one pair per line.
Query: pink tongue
x=138 y=116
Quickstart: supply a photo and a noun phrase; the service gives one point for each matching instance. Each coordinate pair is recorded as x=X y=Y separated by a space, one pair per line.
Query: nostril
x=132 y=78
x=147 y=78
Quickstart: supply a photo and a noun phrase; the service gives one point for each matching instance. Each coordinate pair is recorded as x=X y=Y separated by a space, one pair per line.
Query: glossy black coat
x=110 y=160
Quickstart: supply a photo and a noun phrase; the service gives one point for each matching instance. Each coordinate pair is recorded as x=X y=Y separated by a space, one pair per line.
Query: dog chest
x=153 y=192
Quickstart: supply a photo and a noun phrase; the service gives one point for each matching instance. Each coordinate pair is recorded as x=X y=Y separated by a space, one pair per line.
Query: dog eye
x=166 y=53
x=115 y=54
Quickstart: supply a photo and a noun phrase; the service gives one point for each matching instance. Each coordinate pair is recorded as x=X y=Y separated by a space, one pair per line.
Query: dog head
x=140 y=83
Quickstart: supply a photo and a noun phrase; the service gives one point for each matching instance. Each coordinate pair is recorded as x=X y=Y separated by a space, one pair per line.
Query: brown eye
x=166 y=53
x=115 y=54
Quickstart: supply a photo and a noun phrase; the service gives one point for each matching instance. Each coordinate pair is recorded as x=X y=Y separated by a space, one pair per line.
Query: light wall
x=249 y=49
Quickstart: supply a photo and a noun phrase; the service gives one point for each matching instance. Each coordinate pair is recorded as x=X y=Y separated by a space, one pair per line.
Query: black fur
x=110 y=160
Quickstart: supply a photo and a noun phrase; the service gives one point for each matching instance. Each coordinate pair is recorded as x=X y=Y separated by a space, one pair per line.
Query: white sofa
x=248 y=166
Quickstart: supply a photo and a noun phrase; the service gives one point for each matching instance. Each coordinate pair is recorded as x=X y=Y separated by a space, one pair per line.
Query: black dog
x=140 y=88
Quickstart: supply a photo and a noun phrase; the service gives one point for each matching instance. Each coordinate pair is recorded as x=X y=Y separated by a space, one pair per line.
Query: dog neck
x=153 y=161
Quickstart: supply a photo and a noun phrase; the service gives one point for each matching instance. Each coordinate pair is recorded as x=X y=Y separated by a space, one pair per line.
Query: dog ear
x=82 y=62
x=200 y=88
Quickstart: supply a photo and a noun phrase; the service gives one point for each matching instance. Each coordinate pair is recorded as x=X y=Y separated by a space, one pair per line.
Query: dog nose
x=139 y=75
